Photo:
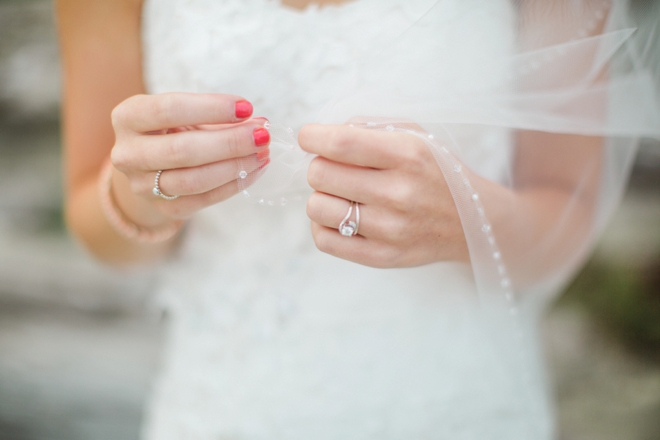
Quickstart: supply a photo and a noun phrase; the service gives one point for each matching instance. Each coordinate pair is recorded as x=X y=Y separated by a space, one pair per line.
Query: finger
x=148 y=113
x=204 y=178
x=380 y=123
x=364 y=185
x=356 y=146
x=356 y=248
x=330 y=211
x=184 y=207
x=261 y=120
x=210 y=127
x=194 y=148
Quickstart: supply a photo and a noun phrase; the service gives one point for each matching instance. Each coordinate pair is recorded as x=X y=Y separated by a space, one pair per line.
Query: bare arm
x=101 y=53
x=195 y=138
x=544 y=219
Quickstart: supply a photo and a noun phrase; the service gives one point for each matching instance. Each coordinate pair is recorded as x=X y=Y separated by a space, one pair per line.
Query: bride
x=465 y=156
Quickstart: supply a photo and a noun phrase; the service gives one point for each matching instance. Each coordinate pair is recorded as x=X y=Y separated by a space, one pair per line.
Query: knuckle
x=119 y=158
x=309 y=135
x=316 y=173
x=125 y=110
x=401 y=196
x=314 y=206
x=305 y=136
x=118 y=116
x=415 y=156
x=341 y=141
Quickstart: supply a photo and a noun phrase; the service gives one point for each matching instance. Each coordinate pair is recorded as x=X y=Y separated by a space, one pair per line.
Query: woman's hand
x=196 y=139
x=201 y=142
x=407 y=214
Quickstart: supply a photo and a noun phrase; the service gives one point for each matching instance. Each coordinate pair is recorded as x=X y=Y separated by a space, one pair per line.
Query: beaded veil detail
x=269 y=338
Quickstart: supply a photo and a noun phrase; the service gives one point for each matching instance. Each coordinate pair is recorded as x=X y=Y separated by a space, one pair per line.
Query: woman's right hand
x=202 y=142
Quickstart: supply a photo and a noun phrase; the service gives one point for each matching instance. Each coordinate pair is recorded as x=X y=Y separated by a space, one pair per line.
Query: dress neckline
x=315 y=6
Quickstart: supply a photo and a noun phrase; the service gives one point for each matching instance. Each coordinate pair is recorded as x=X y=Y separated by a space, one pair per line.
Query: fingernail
x=243 y=109
x=265 y=164
x=261 y=137
x=263 y=154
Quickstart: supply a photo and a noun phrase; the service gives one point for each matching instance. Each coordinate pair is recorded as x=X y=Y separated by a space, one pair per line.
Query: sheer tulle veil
x=566 y=93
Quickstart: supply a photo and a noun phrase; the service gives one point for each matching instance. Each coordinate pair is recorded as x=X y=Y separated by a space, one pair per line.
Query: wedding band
x=157 y=191
x=347 y=227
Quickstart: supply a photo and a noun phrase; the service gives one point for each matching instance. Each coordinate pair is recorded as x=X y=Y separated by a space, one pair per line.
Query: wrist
x=133 y=217
x=136 y=208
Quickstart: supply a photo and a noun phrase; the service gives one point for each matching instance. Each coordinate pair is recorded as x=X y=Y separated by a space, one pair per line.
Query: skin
x=106 y=113
x=408 y=215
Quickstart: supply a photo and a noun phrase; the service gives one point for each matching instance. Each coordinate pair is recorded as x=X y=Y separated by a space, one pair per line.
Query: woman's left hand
x=407 y=214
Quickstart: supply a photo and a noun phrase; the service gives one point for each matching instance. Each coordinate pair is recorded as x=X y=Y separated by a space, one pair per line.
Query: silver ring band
x=347 y=227
x=157 y=191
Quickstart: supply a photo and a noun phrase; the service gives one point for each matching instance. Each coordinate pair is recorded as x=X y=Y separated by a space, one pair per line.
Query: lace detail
x=271 y=339
x=287 y=62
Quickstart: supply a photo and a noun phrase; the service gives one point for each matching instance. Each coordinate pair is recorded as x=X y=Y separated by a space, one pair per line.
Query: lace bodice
x=270 y=339
x=286 y=61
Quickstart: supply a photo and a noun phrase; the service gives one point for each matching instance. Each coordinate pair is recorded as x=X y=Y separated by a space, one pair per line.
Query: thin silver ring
x=347 y=227
x=157 y=191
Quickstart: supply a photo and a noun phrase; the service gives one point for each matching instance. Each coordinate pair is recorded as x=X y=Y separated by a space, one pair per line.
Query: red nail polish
x=265 y=164
x=243 y=109
x=261 y=137
x=263 y=154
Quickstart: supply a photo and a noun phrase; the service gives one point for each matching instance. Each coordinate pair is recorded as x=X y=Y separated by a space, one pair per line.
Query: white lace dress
x=271 y=339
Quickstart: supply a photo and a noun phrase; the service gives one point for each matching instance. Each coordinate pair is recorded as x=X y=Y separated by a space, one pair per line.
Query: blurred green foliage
x=623 y=300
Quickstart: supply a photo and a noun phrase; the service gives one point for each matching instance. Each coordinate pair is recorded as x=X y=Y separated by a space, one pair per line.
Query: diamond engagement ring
x=347 y=227
x=157 y=191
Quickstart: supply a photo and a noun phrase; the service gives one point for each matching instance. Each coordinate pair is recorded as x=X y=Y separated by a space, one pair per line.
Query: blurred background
x=78 y=349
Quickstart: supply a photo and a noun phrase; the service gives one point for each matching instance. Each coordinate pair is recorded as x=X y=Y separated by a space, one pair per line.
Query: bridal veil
x=565 y=94
x=576 y=84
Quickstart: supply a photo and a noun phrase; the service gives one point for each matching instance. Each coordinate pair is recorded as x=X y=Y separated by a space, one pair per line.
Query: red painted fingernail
x=263 y=154
x=265 y=164
x=243 y=109
x=261 y=137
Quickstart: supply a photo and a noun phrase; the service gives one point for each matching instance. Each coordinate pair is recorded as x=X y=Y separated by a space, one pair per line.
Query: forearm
x=112 y=206
x=550 y=228
x=538 y=228
x=87 y=222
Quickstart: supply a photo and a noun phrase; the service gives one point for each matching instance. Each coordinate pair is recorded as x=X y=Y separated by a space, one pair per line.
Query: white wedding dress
x=271 y=339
